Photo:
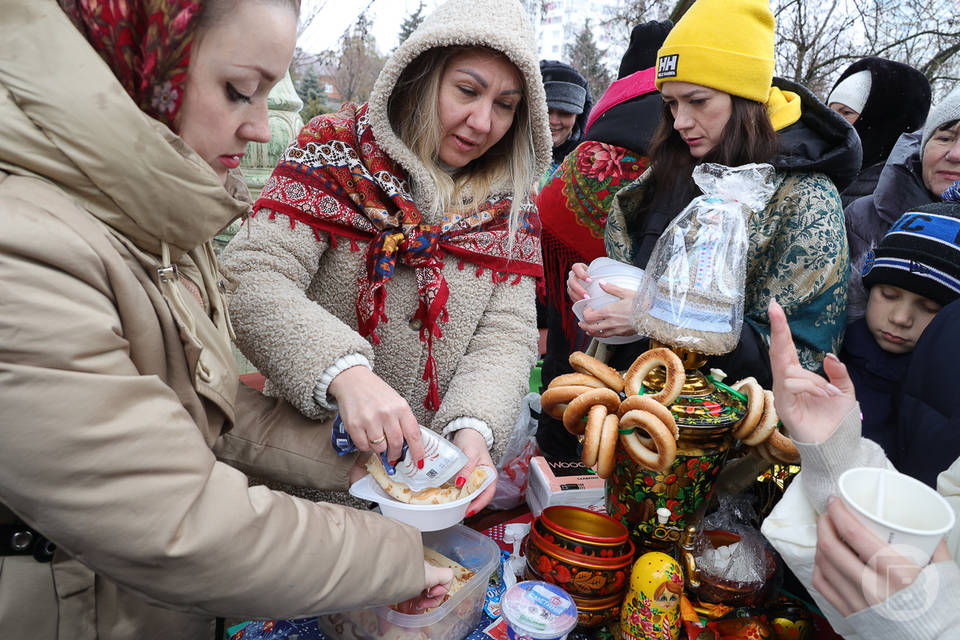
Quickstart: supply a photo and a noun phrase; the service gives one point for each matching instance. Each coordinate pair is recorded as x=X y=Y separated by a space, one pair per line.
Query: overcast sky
x=336 y=15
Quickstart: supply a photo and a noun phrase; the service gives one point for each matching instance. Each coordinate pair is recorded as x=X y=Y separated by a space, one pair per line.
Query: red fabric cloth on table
x=573 y=212
x=336 y=179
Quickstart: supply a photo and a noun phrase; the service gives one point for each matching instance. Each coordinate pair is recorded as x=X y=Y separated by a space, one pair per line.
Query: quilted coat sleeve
x=291 y=339
x=493 y=375
x=109 y=464
x=798 y=255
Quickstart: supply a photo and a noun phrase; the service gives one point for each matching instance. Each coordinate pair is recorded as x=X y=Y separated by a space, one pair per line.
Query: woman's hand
x=614 y=319
x=853 y=568
x=376 y=417
x=439 y=580
x=576 y=280
x=809 y=406
x=471 y=442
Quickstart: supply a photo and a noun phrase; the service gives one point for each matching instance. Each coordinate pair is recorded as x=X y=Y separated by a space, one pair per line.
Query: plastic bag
x=691 y=294
x=741 y=562
x=514 y=468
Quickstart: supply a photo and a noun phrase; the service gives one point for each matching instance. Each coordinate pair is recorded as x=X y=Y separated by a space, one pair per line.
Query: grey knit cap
x=946 y=110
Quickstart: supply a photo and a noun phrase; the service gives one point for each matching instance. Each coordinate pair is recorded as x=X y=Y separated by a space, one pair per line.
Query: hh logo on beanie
x=667 y=66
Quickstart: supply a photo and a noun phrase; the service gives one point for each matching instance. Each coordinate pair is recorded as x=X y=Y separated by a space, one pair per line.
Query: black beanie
x=920 y=253
x=645 y=40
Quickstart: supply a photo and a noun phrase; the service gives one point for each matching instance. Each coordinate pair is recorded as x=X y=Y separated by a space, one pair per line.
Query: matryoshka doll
x=651 y=610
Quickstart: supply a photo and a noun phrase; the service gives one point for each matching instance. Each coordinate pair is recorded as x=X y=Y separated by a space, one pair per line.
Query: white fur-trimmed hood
x=501 y=25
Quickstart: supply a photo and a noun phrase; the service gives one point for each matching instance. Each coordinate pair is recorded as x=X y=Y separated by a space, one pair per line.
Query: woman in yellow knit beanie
x=722 y=104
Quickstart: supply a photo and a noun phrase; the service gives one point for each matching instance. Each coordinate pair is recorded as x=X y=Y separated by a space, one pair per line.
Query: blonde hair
x=512 y=160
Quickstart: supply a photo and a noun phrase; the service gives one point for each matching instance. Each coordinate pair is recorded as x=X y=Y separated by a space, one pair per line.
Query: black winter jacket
x=877 y=377
x=928 y=428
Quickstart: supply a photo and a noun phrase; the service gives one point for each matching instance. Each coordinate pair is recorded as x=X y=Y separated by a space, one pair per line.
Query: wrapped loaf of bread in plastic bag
x=691 y=294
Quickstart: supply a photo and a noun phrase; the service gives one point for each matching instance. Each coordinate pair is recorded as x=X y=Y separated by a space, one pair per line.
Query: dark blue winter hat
x=920 y=253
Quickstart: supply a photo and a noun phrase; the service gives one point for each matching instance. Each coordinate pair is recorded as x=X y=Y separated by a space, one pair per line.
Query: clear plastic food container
x=536 y=610
x=452 y=620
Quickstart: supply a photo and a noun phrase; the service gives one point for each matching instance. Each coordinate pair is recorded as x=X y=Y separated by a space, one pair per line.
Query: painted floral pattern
x=577 y=580
x=634 y=494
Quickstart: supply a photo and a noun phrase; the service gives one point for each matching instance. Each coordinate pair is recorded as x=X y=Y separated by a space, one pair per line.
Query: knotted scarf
x=573 y=210
x=146 y=43
x=336 y=179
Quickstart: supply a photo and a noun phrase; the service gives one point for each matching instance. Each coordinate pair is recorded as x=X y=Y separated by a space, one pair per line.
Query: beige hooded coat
x=295 y=304
x=119 y=402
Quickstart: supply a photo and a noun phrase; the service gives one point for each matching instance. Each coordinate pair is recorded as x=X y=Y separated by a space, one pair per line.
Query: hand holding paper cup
x=898 y=509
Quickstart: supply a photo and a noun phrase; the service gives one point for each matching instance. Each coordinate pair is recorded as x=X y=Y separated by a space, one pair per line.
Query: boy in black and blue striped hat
x=910 y=275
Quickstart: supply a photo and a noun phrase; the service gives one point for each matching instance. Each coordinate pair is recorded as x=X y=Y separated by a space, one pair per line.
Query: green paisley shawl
x=798 y=255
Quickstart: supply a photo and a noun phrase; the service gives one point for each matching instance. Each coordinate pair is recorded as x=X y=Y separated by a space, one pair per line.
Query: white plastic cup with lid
x=902 y=511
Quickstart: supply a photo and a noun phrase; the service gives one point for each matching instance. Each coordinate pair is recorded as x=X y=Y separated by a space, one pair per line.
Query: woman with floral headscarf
x=124 y=509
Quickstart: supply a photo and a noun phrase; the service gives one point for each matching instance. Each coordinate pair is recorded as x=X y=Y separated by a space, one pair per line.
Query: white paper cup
x=900 y=510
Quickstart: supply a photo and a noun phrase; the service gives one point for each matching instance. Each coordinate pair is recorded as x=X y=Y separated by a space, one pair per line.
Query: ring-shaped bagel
x=768 y=423
x=782 y=448
x=589 y=365
x=647 y=362
x=576 y=379
x=665 y=446
x=754 y=392
x=646 y=403
x=591 y=435
x=763 y=452
x=554 y=401
x=606 y=458
x=577 y=408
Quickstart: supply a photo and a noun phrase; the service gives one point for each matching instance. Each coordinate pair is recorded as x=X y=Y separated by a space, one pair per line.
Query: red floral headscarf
x=145 y=42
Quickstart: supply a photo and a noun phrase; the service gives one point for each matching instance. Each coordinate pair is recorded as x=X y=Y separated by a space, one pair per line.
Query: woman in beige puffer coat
x=125 y=437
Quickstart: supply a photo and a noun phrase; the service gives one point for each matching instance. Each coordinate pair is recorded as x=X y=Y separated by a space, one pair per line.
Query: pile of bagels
x=605 y=408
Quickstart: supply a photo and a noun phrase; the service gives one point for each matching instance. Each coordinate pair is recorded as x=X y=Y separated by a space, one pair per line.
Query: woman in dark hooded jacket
x=568 y=103
x=882 y=99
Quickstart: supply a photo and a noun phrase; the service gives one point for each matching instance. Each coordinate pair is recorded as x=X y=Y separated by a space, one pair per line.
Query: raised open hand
x=810 y=406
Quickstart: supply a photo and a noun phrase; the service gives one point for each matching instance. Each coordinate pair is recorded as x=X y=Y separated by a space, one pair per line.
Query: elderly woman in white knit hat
x=721 y=104
x=388 y=273
x=921 y=166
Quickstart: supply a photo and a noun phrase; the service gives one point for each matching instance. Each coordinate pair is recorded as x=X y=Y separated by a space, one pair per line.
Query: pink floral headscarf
x=145 y=42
